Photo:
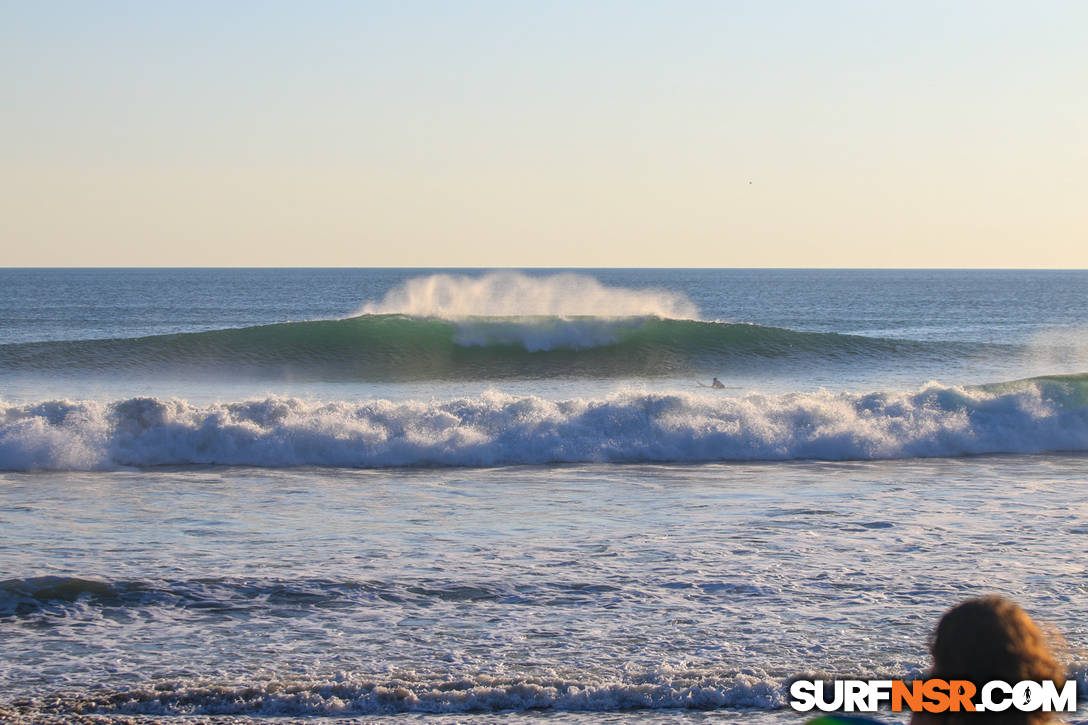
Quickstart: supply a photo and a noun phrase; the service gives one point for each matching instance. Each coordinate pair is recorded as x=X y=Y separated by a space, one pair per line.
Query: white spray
x=513 y=294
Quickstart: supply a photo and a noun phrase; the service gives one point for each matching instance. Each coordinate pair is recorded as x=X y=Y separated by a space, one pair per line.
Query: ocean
x=437 y=496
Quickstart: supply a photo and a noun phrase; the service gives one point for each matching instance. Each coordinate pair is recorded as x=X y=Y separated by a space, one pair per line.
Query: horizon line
x=542 y=267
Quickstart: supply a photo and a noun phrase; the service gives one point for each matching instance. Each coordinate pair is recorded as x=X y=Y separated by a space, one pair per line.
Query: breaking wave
x=393 y=347
x=53 y=598
x=495 y=429
x=346 y=695
x=494 y=327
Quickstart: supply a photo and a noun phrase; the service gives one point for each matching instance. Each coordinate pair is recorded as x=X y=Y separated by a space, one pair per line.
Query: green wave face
x=1065 y=390
x=396 y=348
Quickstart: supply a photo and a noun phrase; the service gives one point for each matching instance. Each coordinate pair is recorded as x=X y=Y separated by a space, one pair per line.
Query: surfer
x=717 y=384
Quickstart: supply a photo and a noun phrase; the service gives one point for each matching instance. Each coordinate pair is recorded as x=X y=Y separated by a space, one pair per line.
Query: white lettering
x=1064 y=701
x=836 y=700
x=854 y=696
x=1027 y=695
x=989 y=703
x=879 y=691
x=803 y=695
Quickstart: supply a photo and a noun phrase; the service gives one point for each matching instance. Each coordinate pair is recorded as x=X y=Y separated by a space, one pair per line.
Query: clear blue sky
x=544 y=134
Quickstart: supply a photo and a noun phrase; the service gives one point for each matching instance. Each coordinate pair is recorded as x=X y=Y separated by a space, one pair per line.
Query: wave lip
x=394 y=347
x=496 y=429
x=50 y=598
x=60 y=596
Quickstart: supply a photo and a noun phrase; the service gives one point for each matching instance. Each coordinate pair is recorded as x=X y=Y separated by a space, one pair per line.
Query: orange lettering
x=936 y=693
x=961 y=692
x=912 y=696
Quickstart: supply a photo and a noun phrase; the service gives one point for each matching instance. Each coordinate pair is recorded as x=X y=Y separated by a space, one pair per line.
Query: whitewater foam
x=496 y=429
x=513 y=294
x=345 y=695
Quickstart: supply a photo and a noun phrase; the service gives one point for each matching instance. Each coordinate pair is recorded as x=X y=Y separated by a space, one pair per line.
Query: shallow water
x=327 y=592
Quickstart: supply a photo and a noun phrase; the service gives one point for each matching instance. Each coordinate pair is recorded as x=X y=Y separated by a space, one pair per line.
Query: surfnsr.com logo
x=933 y=696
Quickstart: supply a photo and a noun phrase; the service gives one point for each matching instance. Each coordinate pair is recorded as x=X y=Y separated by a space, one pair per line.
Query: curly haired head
x=991 y=638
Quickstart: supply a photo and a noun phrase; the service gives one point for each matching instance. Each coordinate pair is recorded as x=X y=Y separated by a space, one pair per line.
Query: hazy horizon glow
x=480 y=134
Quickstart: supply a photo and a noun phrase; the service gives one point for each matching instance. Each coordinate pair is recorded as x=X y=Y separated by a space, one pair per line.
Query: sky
x=544 y=134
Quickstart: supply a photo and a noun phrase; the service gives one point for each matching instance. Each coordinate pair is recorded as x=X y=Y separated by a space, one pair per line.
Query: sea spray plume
x=513 y=294
x=1058 y=349
x=495 y=429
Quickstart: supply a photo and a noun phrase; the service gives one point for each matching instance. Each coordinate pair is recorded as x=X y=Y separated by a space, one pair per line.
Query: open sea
x=426 y=496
